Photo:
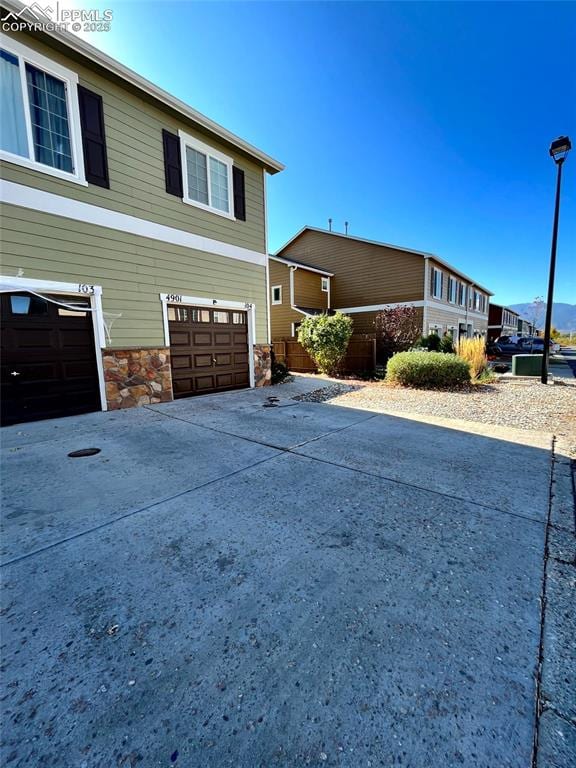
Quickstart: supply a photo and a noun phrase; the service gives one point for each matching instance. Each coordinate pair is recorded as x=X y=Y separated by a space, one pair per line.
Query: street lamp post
x=558 y=151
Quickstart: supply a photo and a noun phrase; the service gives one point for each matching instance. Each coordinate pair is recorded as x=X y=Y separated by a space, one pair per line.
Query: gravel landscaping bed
x=523 y=405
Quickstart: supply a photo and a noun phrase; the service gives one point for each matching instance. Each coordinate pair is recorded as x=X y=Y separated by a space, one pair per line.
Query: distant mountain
x=563 y=315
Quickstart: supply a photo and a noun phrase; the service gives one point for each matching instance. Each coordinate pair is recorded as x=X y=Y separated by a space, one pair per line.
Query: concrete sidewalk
x=228 y=584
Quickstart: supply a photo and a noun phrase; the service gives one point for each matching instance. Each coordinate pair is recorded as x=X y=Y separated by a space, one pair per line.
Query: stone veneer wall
x=137 y=377
x=262 y=364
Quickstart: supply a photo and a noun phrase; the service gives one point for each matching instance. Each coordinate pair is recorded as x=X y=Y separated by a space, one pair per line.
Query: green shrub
x=447 y=345
x=433 y=342
x=422 y=343
x=325 y=338
x=279 y=372
x=433 y=370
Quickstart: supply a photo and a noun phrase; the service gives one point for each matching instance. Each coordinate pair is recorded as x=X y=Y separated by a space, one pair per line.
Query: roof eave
x=94 y=54
x=301 y=265
x=460 y=274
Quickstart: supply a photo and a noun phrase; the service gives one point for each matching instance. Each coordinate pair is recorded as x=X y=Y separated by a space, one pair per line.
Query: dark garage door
x=208 y=350
x=48 y=359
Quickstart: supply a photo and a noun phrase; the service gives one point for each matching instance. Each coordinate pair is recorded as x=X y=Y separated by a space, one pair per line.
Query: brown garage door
x=208 y=350
x=48 y=359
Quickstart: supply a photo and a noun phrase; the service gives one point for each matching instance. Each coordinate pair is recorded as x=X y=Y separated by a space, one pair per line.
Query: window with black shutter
x=239 y=193
x=172 y=163
x=93 y=137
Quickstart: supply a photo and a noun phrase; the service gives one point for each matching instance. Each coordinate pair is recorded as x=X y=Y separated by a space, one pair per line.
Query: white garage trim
x=93 y=292
x=196 y=301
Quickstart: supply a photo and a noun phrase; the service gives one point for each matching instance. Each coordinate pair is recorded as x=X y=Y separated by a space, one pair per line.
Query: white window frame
x=272 y=299
x=435 y=328
x=190 y=141
x=479 y=302
x=452 y=330
x=27 y=55
x=464 y=294
x=452 y=284
x=436 y=271
x=325 y=284
x=294 y=330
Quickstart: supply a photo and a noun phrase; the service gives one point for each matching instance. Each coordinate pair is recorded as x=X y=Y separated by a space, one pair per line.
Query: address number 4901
x=175 y=297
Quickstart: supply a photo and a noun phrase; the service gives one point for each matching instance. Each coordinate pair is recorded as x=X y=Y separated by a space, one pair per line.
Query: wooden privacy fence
x=360 y=356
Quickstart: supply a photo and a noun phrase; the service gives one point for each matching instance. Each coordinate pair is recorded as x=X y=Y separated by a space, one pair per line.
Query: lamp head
x=560 y=148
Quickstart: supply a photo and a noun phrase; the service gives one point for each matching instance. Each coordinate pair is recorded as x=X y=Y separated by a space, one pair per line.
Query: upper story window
x=452 y=290
x=325 y=284
x=207 y=176
x=276 y=294
x=462 y=294
x=479 y=302
x=40 y=123
x=436 y=283
x=508 y=318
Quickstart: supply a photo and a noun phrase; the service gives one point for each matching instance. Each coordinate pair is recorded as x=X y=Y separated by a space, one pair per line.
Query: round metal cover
x=84 y=452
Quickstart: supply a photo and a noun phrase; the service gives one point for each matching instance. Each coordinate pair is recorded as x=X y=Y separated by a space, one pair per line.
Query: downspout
x=426 y=295
x=268 y=299
x=292 y=269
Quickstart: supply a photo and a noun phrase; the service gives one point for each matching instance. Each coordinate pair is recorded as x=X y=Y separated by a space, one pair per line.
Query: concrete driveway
x=231 y=584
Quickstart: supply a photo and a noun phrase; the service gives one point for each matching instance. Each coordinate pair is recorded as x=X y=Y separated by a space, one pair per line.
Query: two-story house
x=134 y=254
x=503 y=321
x=297 y=290
x=525 y=327
x=368 y=276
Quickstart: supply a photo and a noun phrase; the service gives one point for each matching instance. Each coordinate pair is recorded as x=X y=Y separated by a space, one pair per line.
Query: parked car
x=535 y=345
x=509 y=345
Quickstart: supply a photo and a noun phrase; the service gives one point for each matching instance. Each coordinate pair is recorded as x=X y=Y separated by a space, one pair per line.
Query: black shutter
x=93 y=137
x=172 y=163
x=239 y=193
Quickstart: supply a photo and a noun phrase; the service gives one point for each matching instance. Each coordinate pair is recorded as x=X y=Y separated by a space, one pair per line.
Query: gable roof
x=424 y=254
x=80 y=46
x=508 y=309
x=302 y=265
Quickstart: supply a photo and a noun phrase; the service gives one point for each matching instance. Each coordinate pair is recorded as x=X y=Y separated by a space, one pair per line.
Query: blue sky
x=423 y=124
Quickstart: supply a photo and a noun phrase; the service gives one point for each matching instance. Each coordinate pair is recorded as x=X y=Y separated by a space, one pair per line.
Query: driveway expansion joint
x=549 y=653
x=293 y=450
x=133 y=512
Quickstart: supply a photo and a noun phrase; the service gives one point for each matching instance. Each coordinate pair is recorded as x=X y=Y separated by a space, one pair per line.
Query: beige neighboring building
x=297 y=290
x=368 y=276
x=134 y=243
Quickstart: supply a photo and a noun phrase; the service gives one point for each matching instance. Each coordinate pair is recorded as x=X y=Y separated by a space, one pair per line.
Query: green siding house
x=134 y=265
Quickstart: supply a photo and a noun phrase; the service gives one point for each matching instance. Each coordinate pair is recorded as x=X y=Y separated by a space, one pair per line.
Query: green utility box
x=526 y=365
